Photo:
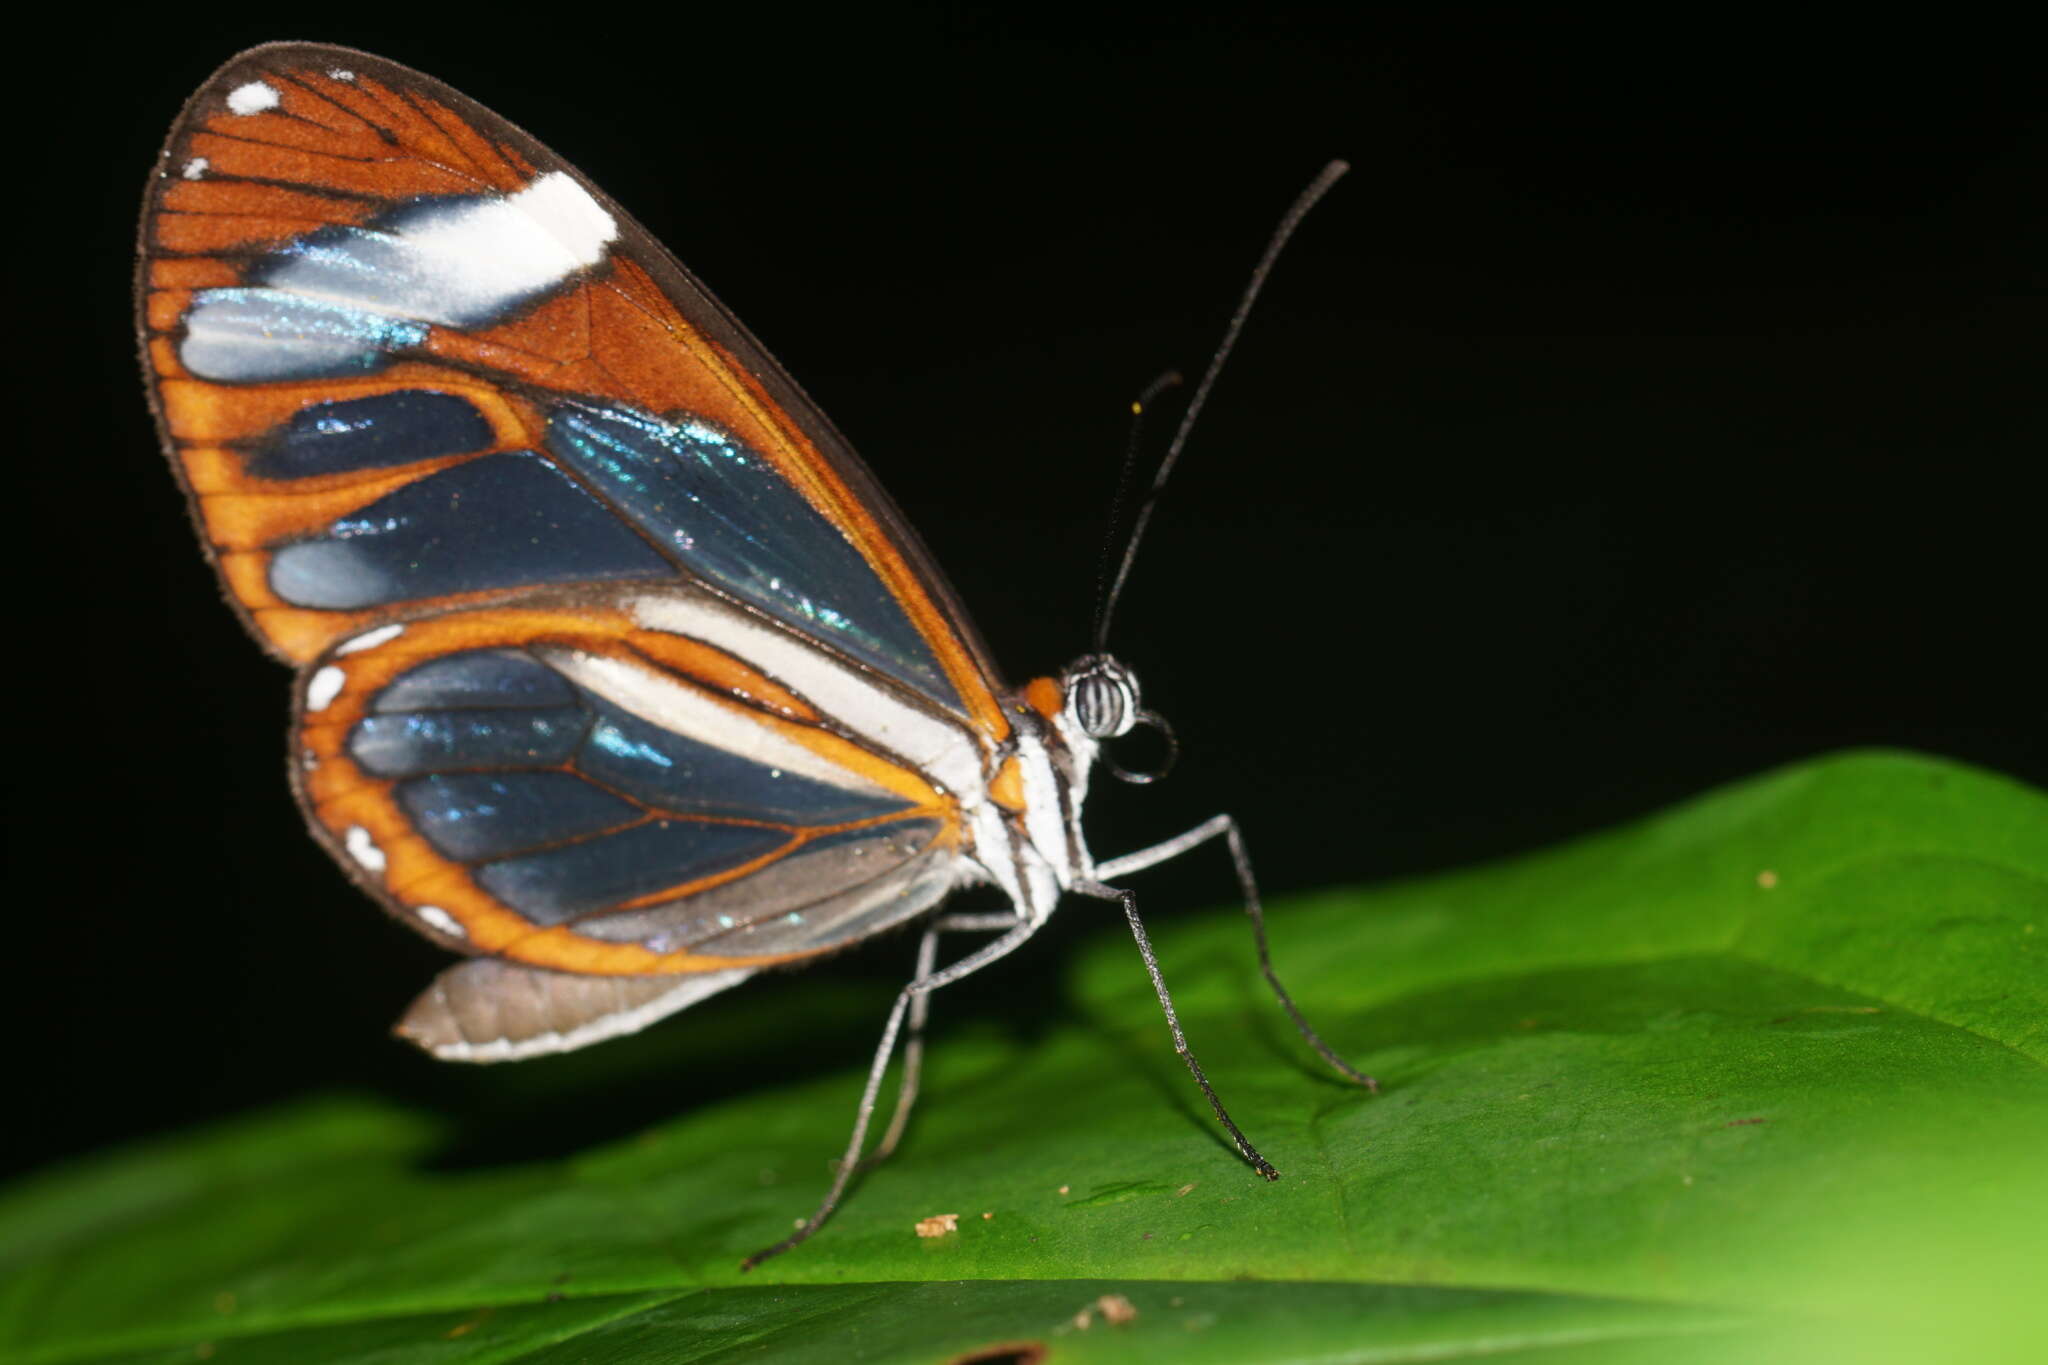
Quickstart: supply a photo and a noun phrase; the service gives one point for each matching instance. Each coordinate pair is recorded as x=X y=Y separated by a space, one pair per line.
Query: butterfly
x=617 y=672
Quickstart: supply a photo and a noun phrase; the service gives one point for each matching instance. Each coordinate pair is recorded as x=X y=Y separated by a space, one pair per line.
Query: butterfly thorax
x=1028 y=838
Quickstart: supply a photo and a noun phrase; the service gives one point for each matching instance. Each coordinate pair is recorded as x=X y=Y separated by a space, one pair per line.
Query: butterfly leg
x=1129 y=901
x=920 y=1011
x=1226 y=827
x=924 y=985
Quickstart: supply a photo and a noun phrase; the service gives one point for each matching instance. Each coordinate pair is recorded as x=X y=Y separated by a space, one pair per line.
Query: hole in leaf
x=1008 y=1353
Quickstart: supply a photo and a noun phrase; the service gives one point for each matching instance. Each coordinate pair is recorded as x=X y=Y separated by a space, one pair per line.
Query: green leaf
x=1758 y=1078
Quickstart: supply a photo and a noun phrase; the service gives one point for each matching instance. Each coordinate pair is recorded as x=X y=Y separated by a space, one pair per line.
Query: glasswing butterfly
x=618 y=673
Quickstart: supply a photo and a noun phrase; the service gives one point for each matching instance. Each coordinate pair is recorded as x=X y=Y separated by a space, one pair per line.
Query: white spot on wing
x=194 y=168
x=338 y=74
x=568 y=213
x=440 y=919
x=370 y=639
x=490 y=252
x=324 y=687
x=363 y=848
x=253 y=98
x=460 y=262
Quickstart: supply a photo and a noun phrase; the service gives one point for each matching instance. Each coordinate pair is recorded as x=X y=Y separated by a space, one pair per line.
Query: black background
x=1650 y=407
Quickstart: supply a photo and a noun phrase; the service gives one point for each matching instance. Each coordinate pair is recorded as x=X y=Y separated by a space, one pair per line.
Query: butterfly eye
x=1104 y=697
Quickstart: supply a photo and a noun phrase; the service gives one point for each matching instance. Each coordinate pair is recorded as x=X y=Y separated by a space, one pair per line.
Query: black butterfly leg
x=1225 y=826
x=920 y=1010
x=851 y=1163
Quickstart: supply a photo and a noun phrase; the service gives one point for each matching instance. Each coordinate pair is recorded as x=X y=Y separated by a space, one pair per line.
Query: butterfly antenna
x=1289 y=221
x=1140 y=406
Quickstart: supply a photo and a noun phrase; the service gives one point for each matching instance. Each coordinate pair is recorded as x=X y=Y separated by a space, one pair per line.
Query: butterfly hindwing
x=559 y=786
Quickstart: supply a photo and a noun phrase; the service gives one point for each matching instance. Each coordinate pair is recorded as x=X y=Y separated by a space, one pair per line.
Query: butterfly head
x=1103 y=702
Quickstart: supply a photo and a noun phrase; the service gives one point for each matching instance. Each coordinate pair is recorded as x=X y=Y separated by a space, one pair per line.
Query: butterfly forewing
x=616 y=662
x=356 y=281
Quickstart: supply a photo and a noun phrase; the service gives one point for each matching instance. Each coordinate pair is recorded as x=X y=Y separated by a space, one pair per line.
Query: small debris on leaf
x=468 y=1325
x=1767 y=879
x=938 y=1225
x=1184 y=1189
x=1116 y=1310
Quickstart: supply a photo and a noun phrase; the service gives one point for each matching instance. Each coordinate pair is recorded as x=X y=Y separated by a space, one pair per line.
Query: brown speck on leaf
x=1767 y=879
x=1063 y=1189
x=1738 y=1123
x=938 y=1225
x=464 y=1328
x=986 y=1216
x=1184 y=1189
x=224 y=1302
x=203 y=1351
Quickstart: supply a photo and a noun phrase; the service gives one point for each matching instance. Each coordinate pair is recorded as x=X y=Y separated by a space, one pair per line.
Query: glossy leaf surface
x=1761 y=1077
